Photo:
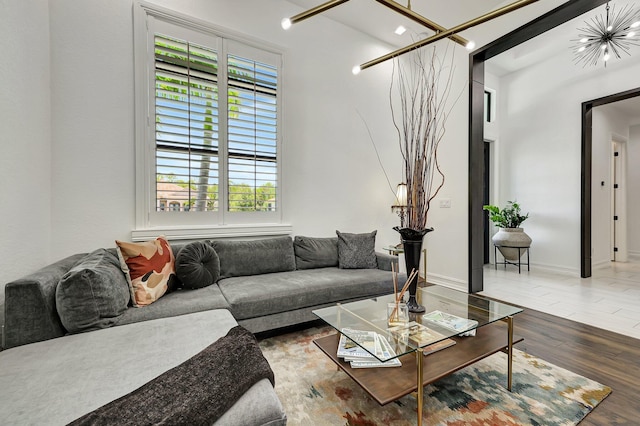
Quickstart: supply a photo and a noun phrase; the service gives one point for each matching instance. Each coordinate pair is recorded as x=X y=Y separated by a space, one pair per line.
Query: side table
x=506 y=262
x=394 y=250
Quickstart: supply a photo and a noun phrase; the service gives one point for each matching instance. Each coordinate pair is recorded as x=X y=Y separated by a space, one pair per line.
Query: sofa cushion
x=93 y=294
x=241 y=258
x=357 y=251
x=179 y=302
x=259 y=295
x=149 y=268
x=197 y=265
x=315 y=252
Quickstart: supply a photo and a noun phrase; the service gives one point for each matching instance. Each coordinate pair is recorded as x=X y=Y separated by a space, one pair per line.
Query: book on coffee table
x=465 y=326
x=418 y=334
x=348 y=347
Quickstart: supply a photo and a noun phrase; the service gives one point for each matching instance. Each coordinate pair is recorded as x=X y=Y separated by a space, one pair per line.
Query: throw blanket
x=196 y=392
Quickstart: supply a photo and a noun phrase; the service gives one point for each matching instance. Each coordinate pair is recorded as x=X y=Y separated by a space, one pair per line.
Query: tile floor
x=610 y=299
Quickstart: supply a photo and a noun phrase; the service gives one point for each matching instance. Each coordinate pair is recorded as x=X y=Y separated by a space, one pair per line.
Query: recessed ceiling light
x=400 y=30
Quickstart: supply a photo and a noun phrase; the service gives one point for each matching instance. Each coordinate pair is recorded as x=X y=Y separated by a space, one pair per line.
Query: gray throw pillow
x=357 y=251
x=315 y=252
x=197 y=265
x=241 y=258
x=93 y=294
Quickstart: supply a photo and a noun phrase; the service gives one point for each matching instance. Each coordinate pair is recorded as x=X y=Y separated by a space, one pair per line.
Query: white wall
x=25 y=139
x=633 y=199
x=540 y=125
x=93 y=131
x=92 y=116
x=82 y=167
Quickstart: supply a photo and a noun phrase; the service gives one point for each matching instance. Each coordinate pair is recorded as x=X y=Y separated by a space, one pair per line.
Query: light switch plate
x=445 y=203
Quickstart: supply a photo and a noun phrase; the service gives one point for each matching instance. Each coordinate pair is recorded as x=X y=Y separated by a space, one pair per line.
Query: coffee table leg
x=510 y=352
x=419 y=361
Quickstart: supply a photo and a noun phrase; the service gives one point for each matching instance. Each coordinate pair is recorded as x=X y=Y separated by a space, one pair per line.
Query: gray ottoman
x=56 y=381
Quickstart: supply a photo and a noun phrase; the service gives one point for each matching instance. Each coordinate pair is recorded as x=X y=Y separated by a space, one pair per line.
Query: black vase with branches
x=422 y=83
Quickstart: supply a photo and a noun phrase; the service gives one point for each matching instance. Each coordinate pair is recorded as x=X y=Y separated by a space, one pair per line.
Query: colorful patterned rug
x=314 y=392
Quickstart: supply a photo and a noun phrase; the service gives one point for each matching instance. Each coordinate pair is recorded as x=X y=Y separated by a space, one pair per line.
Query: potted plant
x=510 y=235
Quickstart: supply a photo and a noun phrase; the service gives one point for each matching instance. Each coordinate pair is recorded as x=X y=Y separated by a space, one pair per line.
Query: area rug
x=314 y=392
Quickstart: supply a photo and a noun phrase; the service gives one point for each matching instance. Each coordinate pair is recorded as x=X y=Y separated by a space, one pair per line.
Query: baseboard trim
x=601 y=264
x=557 y=269
x=537 y=266
x=444 y=281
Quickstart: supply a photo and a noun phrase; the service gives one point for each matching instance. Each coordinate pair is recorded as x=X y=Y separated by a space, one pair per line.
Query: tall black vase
x=412 y=243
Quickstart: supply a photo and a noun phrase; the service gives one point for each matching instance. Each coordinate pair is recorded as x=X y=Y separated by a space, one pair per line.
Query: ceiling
x=378 y=21
x=629 y=108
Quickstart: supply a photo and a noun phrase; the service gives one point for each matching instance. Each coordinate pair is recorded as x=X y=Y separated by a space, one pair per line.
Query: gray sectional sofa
x=260 y=284
x=265 y=284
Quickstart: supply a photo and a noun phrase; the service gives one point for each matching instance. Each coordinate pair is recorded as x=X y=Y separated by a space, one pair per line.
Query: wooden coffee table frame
x=389 y=384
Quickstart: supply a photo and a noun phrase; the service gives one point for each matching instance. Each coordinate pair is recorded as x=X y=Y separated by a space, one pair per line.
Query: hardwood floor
x=610 y=358
x=580 y=328
x=587 y=325
x=607 y=357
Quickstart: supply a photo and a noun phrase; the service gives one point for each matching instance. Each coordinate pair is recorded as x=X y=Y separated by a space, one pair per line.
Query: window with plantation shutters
x=207 y=129
x=252 y=131
x=186 y=126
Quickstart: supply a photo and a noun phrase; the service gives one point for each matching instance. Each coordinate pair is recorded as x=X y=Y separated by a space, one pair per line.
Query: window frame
x=490 y=108
x=222 y=223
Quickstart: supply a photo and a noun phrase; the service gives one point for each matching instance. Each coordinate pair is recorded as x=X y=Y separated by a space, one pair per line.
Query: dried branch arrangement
x=422 y=83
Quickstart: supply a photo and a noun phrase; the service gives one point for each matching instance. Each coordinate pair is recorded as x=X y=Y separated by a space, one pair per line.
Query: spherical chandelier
x=607 y=35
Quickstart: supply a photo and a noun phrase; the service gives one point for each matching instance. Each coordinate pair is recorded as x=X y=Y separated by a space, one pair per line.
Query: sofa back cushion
x=357 y=251
x=315 y=252
x=93 y=294
x=241 y=258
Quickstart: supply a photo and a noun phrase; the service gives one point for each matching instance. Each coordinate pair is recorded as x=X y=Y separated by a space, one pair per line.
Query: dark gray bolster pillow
x=197 y=265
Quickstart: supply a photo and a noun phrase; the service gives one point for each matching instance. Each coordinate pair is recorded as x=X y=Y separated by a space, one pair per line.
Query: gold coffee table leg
x=419 y=397
x=510 y=352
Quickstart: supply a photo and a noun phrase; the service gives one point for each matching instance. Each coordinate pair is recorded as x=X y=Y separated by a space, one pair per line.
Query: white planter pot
x=507 y=240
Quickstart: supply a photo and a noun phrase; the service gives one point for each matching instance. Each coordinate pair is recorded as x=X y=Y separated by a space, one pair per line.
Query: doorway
x=551 y=19
x=586 y=196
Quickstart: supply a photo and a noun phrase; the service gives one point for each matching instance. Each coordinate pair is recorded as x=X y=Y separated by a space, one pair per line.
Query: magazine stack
x=361 y=358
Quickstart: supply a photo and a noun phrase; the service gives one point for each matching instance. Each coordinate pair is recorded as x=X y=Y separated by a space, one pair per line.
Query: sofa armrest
x=385 y=261
x=30 y=305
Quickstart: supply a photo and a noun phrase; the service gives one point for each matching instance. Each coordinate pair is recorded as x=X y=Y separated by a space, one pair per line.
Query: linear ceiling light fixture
x=287 y=22
x=444 y=34
x=609 y=34
x=440 y=31
x=408 y=13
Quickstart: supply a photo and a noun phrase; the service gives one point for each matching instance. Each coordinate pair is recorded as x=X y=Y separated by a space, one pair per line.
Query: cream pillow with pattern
x=149 y=268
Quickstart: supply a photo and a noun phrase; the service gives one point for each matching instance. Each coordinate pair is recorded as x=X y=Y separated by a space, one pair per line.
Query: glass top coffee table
x=486 y=324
